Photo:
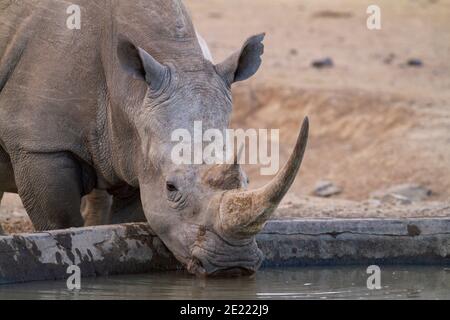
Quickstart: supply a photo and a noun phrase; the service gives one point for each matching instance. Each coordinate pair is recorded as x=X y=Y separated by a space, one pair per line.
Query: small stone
x=395 y=199
x=333 y=14
x=403 y=193
x=389 y=59
x=413 y=230
x=323 y=63
x=414 y=63
x=373 y=202
x=293 y=52
x=215 y=15
x=326 y=189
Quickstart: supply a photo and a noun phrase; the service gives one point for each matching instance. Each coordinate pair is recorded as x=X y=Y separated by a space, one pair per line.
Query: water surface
x=410 y=282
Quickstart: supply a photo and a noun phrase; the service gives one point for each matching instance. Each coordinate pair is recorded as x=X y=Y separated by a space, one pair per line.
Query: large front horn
x=244 y=213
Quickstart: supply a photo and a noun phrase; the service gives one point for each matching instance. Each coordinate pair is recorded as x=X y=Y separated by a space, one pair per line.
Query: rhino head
x=203 y=213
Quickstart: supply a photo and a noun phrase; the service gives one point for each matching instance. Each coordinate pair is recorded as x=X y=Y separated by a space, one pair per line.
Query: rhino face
x=202 y=212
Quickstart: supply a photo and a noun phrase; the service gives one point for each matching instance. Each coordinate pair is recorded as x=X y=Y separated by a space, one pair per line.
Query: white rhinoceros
x=94 y=108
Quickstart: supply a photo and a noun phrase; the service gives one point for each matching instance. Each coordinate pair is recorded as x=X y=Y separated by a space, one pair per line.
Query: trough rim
x=300 y=242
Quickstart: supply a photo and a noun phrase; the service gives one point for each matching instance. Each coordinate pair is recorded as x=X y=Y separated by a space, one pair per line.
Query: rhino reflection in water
x=93 y=109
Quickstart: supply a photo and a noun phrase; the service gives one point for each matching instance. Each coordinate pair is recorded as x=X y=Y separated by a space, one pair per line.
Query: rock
x=323 y=63
x=372 y=203
x=215 y=15
x=403 y=193
x=389 y=59
x=326 y=189
x=293 y=52
x=395 y=199
x=414 y=63
x=333 y=14
x=2 y=233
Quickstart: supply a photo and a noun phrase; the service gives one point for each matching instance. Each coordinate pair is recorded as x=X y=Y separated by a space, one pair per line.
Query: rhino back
x=50 y=78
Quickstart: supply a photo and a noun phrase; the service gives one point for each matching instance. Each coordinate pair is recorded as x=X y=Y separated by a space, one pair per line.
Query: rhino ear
x=244 y=63
x=140 y=64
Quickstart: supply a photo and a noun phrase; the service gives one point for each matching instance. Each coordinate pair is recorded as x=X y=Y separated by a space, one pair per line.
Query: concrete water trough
x=133 y=248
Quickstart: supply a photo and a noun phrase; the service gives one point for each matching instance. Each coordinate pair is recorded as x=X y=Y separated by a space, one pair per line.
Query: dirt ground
x=375 y=120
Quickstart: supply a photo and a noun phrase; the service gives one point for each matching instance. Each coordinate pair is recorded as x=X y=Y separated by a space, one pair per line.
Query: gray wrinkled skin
x=94 y=109
x=1 y=229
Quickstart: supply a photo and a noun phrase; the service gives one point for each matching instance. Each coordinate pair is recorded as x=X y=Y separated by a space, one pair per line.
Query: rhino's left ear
x=244 y=63
x=140 y=64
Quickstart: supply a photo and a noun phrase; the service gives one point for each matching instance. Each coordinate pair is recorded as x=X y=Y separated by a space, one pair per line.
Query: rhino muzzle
x=237 y=258
x=242 y=215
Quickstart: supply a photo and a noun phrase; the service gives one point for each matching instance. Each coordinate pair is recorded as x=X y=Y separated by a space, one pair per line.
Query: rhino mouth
x=206 y=268
x=218 y=257
x=232 y=273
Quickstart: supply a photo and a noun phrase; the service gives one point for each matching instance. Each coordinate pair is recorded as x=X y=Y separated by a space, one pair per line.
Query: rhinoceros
x=93 y=108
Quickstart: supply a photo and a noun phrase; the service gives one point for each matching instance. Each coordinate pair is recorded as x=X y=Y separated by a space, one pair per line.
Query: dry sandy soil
x=375 y=121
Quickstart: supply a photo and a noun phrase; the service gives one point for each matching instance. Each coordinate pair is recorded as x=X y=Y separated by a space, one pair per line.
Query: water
x=291 y=283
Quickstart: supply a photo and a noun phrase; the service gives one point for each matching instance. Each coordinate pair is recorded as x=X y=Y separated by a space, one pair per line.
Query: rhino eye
x=176 y=199
x=171 y=187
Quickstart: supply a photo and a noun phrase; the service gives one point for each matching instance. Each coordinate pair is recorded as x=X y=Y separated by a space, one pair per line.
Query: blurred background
x=378 y=100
